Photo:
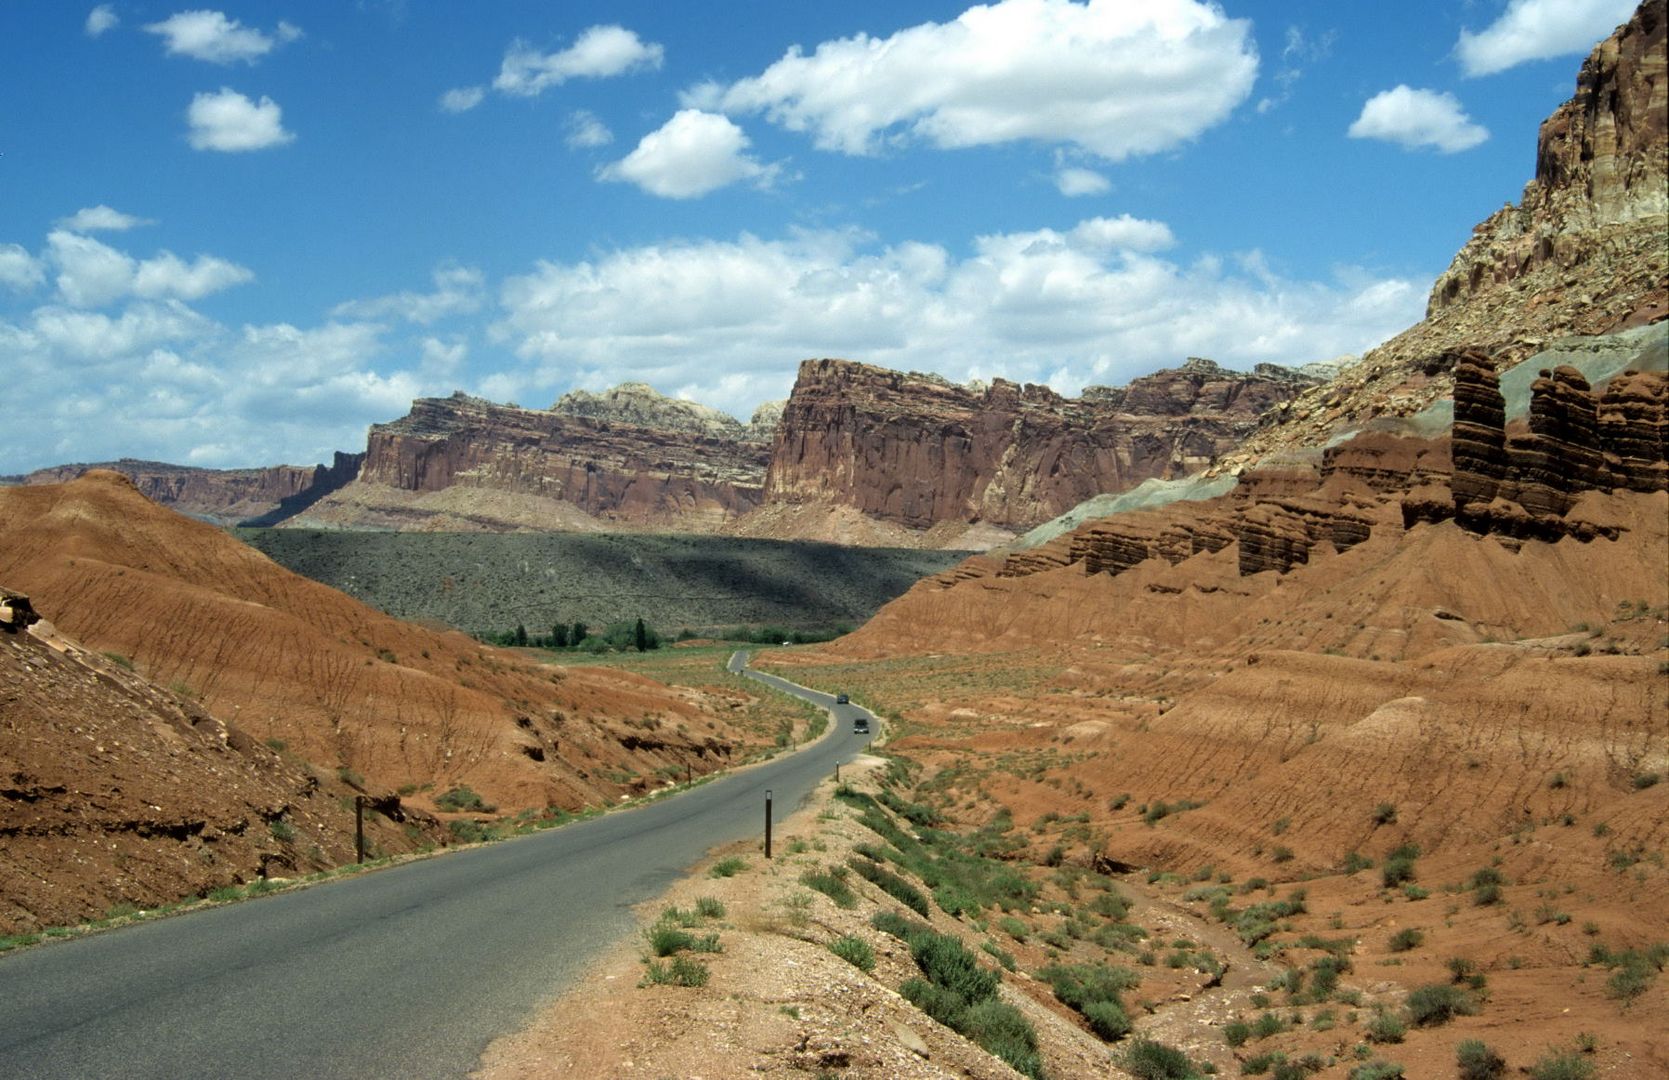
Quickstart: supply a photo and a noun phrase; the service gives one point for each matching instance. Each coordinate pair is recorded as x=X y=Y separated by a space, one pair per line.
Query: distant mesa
x=222 y=496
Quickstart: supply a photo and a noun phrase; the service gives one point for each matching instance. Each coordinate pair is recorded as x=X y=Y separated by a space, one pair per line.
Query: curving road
x=408 y=971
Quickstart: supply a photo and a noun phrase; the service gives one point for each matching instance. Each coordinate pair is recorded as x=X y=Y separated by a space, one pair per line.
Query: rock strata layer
x=670 y=474
x=1524 y=480
x=1583 y=252
x=918 y=450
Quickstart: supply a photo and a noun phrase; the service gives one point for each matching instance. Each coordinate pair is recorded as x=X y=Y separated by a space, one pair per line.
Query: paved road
x=406 y=972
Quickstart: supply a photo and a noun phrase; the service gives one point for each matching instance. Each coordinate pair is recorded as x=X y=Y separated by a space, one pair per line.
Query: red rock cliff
x=918 y=450
x=619 y=472
x=224 y=496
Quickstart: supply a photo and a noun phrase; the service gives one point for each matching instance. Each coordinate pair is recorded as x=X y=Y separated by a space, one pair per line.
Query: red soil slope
x=339 y=684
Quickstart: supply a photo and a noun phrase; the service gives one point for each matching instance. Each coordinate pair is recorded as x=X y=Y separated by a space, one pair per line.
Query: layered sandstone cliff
x=917 y=450
x=223 y=496
x=1523 y=480
x=1518 y=481
x=673 y=467
x=1584 y=252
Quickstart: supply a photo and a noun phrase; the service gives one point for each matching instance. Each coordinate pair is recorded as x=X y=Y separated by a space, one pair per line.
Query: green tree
x=521 y=634
x=559 y=636
x=641 y=637
x=577 y=635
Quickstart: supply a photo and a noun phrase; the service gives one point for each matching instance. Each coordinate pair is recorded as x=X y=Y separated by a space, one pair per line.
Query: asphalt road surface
x=404 y=972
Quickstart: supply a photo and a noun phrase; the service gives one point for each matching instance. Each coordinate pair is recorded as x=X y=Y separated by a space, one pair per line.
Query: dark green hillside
x=494 y=581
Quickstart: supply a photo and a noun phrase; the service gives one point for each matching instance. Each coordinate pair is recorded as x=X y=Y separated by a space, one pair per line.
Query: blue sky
x=238 y=235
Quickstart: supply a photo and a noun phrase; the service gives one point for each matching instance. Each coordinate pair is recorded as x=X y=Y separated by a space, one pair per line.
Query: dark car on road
x=860 y=726
x=842 y=699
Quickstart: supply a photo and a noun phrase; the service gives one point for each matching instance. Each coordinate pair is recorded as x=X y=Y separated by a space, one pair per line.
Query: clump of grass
x=463 y=799
x=1377 y=1070
x=1634 y=969
x=1562 y=1065
x=1407 y=939
x=679 y=971
x=1386 y=1027
x=959 y=993
x=855 y=951
x=831 y=883
x=890 y=883
x=1437 y=1003
x=709 y=907
x=1399 y=866
x=1157 y=812
x=728 y=867
x=1355 y=861
x=1147 y=1059
x=1478 y=1061
x=1093 y=991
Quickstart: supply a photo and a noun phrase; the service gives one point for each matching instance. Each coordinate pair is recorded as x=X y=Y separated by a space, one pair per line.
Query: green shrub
x=1355 y=861
x=1384 y=814
x=728 y=867
x=709 y=907
x=1003 y=1030
x=831 y=883
x=680 y=971
x=1013 y=927
x=1478 y=1062
x=1236 y=1032
x=1147 y=1059
x=1438 y=1003
x=855 y=951
x=1406 y=939
x=1486 y=875
x=904 y=929
x=1557 y=1065
x=665 y=939
x=1092 y=990
x=956 y=901
x=1110 y=905
x=1266 y=1025
x=1399 y=866
x=1377 y=1070
x=462 y=799
x=947 y=963
x=1386 y=1027
x=890 y=883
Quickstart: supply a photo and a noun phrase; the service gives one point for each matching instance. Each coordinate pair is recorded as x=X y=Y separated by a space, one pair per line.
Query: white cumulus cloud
x=232 y=123
x=1539 y=30
x=458 y=290
x=586 y=131
x=19 y=270
x=1418 y=118
x=101 y=218
x=1112 y=77
x=600 y=52
x=1074 y=182
x=725 y=322
x=462 y=99
x=92 y=274
x=211 y=36
x=690 y=155
x=101 y=19
x=166 y=274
